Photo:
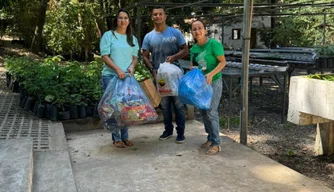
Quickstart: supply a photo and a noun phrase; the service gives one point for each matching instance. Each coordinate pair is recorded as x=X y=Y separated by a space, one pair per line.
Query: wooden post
x=324 y=141
x=247 y=25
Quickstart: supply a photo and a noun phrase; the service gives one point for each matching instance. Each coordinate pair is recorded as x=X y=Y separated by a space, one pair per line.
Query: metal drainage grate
x=17 y=123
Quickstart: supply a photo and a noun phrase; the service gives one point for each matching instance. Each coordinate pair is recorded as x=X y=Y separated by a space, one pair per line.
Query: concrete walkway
x=164 y=166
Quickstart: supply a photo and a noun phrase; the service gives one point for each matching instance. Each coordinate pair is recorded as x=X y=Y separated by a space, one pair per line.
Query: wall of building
x=229 y=42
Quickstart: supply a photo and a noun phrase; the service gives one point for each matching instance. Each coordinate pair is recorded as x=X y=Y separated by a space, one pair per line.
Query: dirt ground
x=286 y=143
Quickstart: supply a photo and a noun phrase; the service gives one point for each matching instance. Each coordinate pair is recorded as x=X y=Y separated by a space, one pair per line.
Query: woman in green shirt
x=208 y=55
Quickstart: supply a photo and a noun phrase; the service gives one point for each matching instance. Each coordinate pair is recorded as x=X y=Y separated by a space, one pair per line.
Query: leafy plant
x=58 y=82
x=322 y=77
x=142 y=73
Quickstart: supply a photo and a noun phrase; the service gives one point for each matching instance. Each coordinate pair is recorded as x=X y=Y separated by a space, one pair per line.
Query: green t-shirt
x=206 y=56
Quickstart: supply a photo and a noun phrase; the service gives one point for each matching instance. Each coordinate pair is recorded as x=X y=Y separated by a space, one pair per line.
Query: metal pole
x=138 y=20
x=324 y=31
x=247 y=22
x=223 y=31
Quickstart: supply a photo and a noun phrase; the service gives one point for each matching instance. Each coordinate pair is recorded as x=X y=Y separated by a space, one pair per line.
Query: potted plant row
x=54 y=89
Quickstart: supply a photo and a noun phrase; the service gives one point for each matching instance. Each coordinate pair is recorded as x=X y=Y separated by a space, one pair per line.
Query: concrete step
x=53 y=169
x=53 y=172
x=16 y=165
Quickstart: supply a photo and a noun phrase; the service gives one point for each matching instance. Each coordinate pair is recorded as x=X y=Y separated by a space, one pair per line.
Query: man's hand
x=170 y=59
x=154 y=73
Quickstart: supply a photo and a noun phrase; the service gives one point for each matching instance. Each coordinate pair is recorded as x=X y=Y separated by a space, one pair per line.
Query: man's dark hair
x=159 y=7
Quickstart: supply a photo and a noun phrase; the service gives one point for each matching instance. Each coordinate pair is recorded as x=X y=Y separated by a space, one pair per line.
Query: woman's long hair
x=129 y=35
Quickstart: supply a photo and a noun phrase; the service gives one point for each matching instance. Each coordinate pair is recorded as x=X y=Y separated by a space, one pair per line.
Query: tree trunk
x=37 y=39
x=101 y=22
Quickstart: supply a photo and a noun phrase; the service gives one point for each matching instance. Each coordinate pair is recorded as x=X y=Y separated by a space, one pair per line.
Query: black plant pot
x=74 y=112
x=35 y=108
x=47 y=110
x=22 y=96
x=15 y=87
x=41 y=110
x=330 y=62
x=89 y=111
x=323 y=62
x=23 y=102
x=51 y=112
x=64 y=115
x=29 y=104
x=8 y=79
x=82 y=111
x=95 y=112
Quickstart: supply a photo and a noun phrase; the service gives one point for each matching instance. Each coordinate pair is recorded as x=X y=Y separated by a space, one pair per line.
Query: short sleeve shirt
x=206 y=56
x=163 y=44
x=120 y=52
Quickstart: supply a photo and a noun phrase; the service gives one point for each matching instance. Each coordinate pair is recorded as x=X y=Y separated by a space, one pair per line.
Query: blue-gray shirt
x=163 y=44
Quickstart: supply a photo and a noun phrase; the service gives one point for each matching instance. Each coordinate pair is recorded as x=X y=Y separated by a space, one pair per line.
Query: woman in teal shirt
x=119 y=51
x=208 y=55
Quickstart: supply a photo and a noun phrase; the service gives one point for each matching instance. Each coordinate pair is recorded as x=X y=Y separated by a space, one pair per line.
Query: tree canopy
x=73 y=27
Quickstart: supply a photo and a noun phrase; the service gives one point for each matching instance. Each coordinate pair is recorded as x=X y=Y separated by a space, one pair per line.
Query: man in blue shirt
x=166 y=44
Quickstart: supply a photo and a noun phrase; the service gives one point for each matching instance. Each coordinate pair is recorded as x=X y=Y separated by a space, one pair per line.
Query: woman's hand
x=131 y=70
x=209 y=77
x=120 y=73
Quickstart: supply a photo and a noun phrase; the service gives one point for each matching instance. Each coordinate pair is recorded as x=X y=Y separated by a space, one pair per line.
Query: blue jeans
x=211 y=116
x=167 y=103
x=117 y=133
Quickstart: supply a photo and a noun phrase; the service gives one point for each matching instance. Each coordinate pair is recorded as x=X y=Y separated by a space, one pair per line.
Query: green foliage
x=23 y=15
x=322 y=77
x=288 y=125
x=325 y=51
x=302 y=30
x=142 y=73
x=62 y=83
x=235 y=121
x=70 y=28
x=291 y=152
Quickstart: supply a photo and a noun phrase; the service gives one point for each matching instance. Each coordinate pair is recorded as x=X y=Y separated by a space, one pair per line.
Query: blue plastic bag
x=125 y=101
x=194 y=90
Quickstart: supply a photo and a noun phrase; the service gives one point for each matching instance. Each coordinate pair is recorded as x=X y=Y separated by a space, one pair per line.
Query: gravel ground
x=286 y=143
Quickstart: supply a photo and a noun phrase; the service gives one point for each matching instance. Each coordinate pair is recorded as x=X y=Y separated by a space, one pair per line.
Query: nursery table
x=230 y=73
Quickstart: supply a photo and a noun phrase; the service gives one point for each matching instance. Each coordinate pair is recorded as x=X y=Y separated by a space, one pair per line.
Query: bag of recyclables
x=125 y=101
x=194 y=90
x=168 y=77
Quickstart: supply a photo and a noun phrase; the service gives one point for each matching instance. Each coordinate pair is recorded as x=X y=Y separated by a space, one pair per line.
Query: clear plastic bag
x=105 y=109
x=194 y=90
x=168 y=78
x=125 y=101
